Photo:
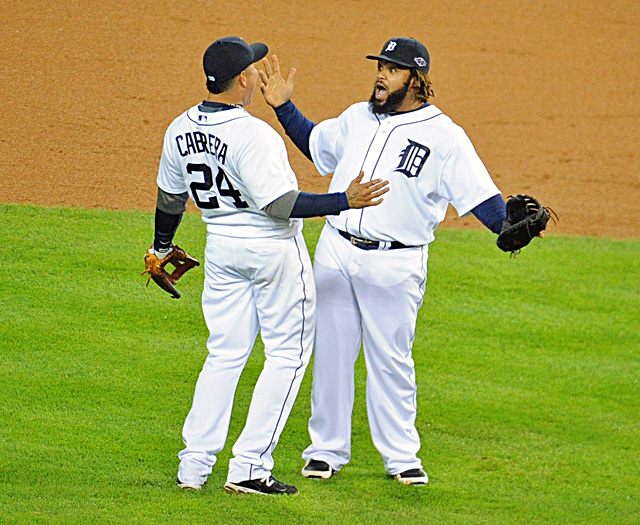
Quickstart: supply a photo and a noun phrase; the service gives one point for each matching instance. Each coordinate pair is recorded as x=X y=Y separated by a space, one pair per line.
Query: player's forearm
x=296 y=126
x=166 y=225
x=491 y=213
x=300 y=205
x=169 y=210
x=319 y=205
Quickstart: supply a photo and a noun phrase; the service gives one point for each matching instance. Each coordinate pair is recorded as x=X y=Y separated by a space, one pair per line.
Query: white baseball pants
x=251 y=285
x=369 y=297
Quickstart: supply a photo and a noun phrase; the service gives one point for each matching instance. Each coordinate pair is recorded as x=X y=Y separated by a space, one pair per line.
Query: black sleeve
x=165 y=228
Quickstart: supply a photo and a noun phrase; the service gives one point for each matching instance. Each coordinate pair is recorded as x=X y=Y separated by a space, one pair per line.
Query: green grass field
x=527 y=372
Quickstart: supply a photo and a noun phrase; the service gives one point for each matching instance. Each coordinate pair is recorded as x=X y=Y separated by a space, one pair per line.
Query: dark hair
x=219 y=87
x=422 y=86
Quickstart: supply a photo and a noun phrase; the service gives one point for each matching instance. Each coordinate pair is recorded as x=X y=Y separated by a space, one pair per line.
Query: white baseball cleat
x=185 y=485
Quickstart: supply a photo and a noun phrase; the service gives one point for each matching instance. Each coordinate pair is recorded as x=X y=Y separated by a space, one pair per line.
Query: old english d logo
x=412 y=158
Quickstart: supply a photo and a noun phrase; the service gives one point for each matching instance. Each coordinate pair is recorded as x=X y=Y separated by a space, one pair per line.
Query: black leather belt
x=366 y=244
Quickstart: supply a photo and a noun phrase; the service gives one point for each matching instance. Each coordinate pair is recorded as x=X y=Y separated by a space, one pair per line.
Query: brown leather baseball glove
x=155 y=267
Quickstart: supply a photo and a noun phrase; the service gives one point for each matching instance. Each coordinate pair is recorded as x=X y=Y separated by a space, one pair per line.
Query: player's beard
x=393 y=102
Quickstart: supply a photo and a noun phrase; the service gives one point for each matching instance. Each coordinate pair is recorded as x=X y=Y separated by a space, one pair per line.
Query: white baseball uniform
x=373 y=296
x=258 y=278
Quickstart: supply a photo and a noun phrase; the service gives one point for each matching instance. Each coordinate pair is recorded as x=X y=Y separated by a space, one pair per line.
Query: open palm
x=275 y=89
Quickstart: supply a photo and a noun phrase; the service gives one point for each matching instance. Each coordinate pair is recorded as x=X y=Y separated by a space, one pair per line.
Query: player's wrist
x=343 y=201
x=283 y=107
x=161 y=253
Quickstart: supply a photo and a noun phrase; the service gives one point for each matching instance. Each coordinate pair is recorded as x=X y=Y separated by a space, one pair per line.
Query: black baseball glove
x=526 y=218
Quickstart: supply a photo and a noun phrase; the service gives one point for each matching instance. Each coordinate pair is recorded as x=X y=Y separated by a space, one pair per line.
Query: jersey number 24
x=225 y=188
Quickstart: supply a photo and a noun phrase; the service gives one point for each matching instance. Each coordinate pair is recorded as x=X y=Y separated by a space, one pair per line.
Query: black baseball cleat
x=414 y=476
x=264 y=486
x=316 y=469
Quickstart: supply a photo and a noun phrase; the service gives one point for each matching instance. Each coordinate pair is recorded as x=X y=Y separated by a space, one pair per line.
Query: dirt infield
x=546 y=91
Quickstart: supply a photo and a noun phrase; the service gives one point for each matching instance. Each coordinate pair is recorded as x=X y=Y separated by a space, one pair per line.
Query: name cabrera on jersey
x=232 y=165
x=428 y=160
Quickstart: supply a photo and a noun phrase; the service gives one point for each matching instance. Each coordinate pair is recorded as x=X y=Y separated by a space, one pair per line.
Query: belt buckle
x=361 y=243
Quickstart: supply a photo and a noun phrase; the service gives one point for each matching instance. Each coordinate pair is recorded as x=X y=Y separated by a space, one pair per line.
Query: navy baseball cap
x=227 y=57
x=407 y=52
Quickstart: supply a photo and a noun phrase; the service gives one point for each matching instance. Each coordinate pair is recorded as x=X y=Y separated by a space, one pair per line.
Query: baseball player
x=371 y=264
x=258 y=273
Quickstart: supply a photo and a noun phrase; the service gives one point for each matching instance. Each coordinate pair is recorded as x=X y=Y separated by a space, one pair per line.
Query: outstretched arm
x=491 y=213
x=296 y=126
x=277 y=93
x=296 y=204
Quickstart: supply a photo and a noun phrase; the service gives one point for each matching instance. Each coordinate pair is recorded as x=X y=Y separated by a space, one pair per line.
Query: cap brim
x=400 y=63
x=260 y=51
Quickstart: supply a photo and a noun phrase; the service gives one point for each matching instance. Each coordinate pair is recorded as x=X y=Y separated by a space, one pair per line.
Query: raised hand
x=368 y=194
x=275 y=89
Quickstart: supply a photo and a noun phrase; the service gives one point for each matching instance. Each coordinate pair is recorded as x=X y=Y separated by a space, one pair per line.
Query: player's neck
x=408 y=104
x=231 y=98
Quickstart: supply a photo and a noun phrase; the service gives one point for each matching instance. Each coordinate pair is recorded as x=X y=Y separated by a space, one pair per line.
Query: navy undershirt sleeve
x=166 y=225
x=491 y=213
x=296 y=126
x=318 y=205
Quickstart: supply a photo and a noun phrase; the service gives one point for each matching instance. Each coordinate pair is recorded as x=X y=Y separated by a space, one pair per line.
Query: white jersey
x=428 y=160
x=232 y=165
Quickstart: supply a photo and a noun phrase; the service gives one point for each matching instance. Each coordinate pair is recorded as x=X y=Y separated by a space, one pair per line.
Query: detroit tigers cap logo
x=390 y=46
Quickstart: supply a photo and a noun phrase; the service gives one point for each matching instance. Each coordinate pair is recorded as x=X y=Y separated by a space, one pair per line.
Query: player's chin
x=376 y=105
